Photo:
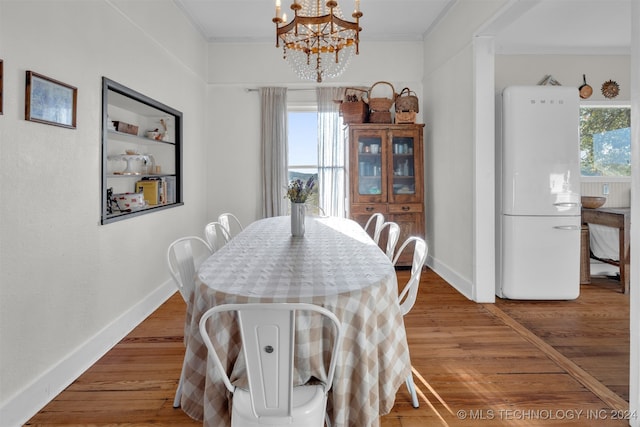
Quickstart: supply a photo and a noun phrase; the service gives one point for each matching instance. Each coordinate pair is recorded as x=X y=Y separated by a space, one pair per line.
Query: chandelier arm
x=277 y=20
x=347 y=24
x=337 y=35
x=287 y=27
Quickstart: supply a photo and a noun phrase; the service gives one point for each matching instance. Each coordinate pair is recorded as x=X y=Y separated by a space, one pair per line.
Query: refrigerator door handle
x=567 y=227
x=566 y=204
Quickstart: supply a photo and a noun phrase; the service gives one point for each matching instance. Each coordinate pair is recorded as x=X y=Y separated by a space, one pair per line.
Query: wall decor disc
x=610 y=89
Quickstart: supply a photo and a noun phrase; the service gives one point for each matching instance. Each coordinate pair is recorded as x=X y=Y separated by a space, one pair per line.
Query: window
x=605 y=140
x=303 y=146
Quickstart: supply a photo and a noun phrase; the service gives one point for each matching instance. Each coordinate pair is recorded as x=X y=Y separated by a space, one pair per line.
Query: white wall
x=619 y=192
x=234 y=113
x=568 y=70
x=634 y=298
x=69 y=287
x=450 y=135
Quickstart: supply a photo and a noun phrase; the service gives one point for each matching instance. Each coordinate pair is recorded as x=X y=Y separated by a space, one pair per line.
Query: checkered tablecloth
x=335 y=265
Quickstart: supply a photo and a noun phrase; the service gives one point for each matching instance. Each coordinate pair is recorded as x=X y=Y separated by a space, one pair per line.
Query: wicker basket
x=380 y=117
x=405 y=117
x=380 y=104
x=354 y=112
x=405 y=101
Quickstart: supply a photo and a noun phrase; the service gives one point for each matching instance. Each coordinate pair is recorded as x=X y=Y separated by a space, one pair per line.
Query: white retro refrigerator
x=538 y=194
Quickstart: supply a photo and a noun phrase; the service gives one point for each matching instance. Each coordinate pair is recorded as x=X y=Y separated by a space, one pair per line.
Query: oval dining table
x=335 y=265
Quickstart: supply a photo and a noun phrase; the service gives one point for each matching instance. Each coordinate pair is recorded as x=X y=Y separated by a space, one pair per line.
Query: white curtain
x=273 y=103
x=331 y=152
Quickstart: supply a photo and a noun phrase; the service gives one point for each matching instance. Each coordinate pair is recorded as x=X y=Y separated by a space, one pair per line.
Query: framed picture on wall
x=49 y=101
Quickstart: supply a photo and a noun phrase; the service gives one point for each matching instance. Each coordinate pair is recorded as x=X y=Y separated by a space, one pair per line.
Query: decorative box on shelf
x=126 y=127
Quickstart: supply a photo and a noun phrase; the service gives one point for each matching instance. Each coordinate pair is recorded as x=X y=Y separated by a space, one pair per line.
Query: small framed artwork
x=49 y=101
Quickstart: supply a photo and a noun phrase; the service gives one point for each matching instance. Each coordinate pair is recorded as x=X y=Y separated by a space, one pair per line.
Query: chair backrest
x=377 y=219
x=315 y=210
x=216 y=235
x=268 y=340
x=407 y=296
x=184 y=255
x=231 y=223
x=393 y=235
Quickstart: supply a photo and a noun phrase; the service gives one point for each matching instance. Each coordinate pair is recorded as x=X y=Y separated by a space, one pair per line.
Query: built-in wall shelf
x=141 y=153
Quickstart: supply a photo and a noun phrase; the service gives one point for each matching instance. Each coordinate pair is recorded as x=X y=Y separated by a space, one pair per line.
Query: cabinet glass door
x=404 y=165
x=369 y=165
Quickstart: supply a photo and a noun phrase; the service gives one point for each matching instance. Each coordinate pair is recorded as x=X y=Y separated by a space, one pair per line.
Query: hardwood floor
x=602 y=349
x=474 y=365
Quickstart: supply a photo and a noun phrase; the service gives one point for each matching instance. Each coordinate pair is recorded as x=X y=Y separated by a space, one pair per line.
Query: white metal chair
x=393 y=235
x=216 y=234
x=407 y=296
x=268 y=340
x=183 y=258
x=315 y=210
x=231 y=223
x=377 y=219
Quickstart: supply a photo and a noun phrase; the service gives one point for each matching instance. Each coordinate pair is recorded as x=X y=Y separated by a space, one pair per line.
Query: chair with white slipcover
x=407 y=296
x=231 y=223
x=184 y=255
x=268 y=333
x=377 y=219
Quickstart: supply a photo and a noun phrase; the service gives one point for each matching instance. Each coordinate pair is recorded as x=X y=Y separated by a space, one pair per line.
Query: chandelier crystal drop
x=318 y=43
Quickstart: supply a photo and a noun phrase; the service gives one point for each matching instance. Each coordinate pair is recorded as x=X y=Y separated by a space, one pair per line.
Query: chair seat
x=267 y=332
x=309 y=405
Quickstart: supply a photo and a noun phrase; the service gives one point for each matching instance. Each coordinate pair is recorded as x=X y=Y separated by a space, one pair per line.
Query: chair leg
x=176 y=399
x=412 y=390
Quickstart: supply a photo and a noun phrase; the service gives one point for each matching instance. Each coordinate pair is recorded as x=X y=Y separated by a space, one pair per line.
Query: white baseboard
x=462 y=285
x=25 y=404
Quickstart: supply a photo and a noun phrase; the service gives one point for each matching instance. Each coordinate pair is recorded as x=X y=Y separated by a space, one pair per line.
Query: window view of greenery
x=605 y=141
x=303 y=148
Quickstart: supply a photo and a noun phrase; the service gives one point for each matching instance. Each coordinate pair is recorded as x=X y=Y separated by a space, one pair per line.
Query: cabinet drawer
x=405 y=207
x=369 y=208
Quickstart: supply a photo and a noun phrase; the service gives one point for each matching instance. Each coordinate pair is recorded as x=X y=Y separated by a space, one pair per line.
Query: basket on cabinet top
x=407 y=101
x=380 y=104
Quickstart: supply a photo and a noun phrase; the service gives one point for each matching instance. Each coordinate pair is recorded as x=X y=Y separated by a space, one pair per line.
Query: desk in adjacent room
x=619 y=218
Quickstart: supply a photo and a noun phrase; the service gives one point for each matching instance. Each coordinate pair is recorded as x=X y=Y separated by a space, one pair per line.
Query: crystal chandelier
x=318 y=43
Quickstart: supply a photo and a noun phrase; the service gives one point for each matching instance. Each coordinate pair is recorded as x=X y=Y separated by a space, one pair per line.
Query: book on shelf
x=154 y=189
x=170 y=187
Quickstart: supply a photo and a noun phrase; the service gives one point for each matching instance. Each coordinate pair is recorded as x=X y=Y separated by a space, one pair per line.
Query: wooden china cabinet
x=386 y=175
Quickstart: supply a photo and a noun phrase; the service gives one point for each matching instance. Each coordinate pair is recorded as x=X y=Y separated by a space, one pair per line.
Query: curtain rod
x=289 y=89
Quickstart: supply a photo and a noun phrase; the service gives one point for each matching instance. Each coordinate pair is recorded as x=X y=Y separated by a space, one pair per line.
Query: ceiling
x=574 y=26
x=250 y=20
x=548 y=26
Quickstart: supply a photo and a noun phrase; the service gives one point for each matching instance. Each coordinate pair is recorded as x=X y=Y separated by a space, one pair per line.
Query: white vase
x=297 y=219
